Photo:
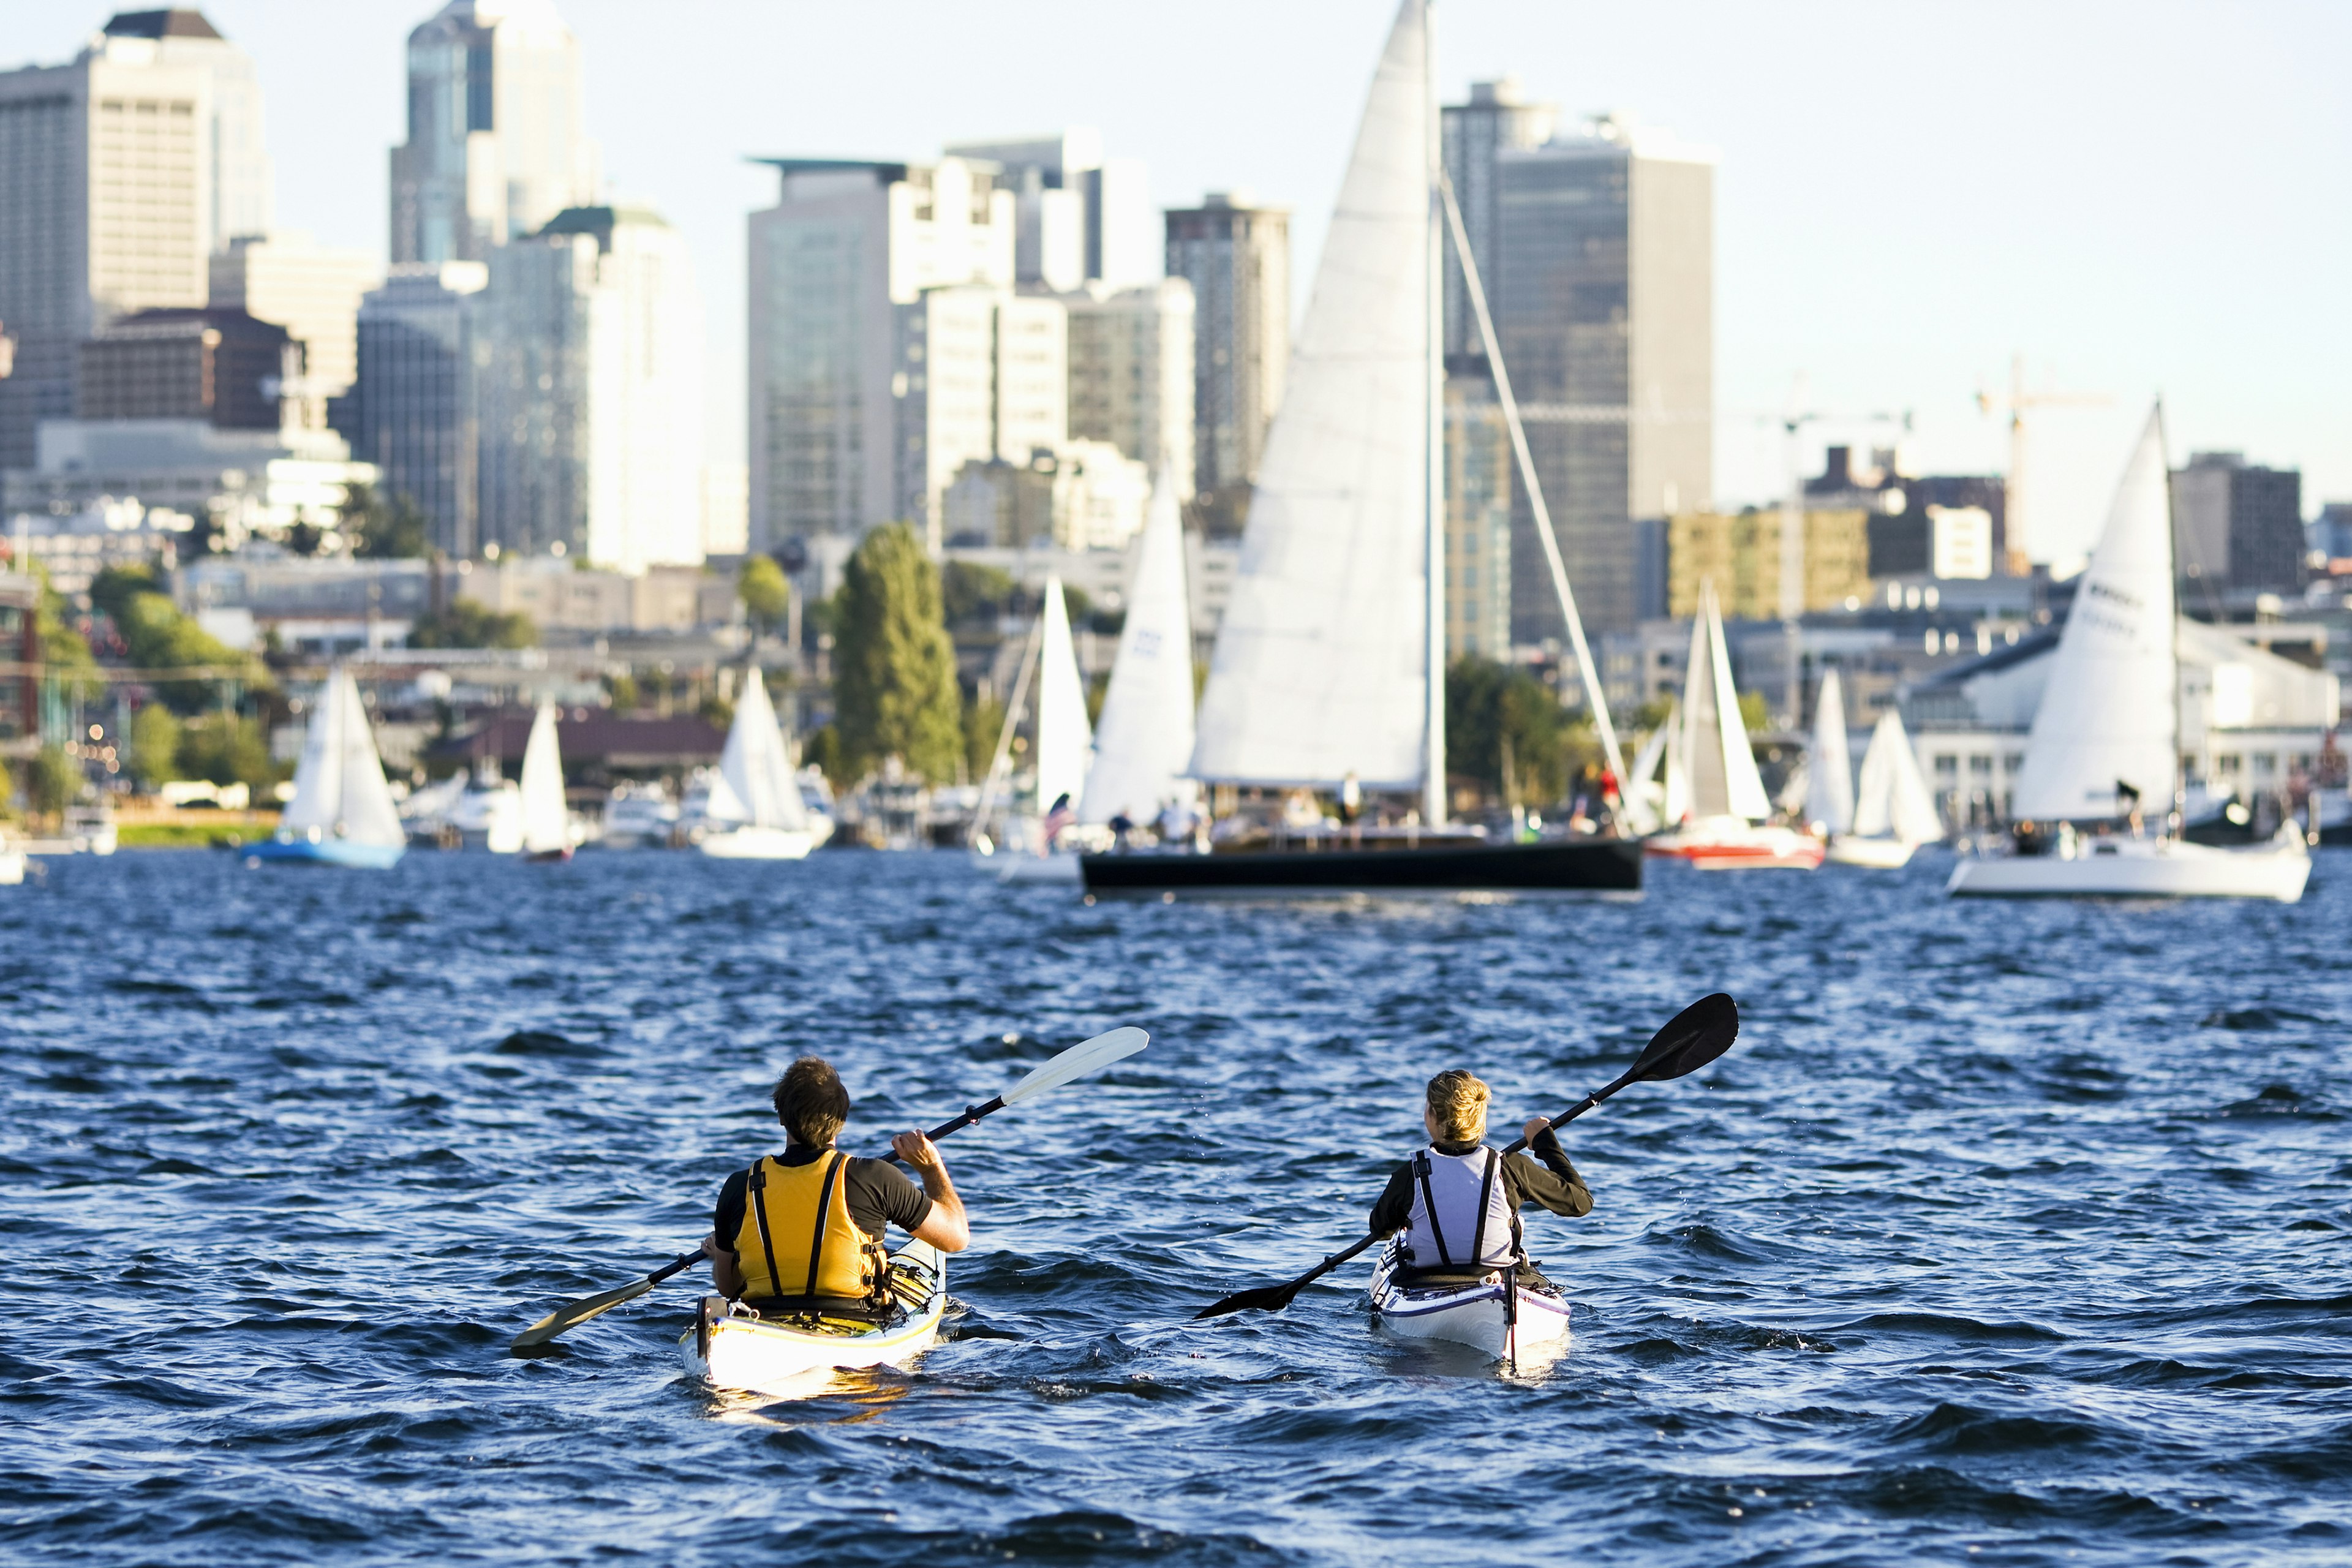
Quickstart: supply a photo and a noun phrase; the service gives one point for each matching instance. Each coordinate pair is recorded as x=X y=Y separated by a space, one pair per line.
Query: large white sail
x=339 y=784
x=1718 y=763
x=1146 y=737
x=1895 y=801
x=1320 y=670
x=2105 y=725
x=545 y=822
x=1829 y=789
x=1064 y=736
x=755 y=786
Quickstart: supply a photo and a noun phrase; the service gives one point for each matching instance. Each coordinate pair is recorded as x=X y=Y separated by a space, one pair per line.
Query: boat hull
x=759 y=844
x=2152 y=868
x=1738 y=846
x=1472 y=1315
x=1058 y=870
x=794 y=1362
x=327 y=852
x=1872 y=854
x=1564 y=865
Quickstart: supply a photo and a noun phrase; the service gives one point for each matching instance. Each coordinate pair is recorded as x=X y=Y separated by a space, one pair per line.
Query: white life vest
x=1461 y=1217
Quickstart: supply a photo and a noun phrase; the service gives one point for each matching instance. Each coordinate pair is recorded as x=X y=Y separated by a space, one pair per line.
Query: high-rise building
x=1236 y=256
x=725 y=497
x=310 y=289
x=2240 y=526
x=119 y=174
x=221 y=367
x=1601 y=284
x=848 y=246
x=1740 y=555
x=1477 y=522
x=1131 y=374
x=1078 y=218
x=589 y=388
x=497 y=139
x=984 y=377
x=1497 y=118
x=411 y=411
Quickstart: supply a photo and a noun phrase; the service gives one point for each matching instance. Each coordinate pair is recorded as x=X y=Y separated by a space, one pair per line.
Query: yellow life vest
x=797 y=1239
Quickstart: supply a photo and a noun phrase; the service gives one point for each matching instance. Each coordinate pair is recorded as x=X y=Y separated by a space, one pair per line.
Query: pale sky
x=2143 y=198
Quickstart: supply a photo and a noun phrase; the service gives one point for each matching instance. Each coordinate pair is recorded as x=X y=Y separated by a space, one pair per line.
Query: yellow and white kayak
x=796 y=1357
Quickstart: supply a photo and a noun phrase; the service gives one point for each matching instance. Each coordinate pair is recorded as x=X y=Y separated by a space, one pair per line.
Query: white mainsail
x=2106 y=720
x=1894 y=799
x=545 y=822
x=1829 y=790
x=1321 y=668
x=339 y=784
x=1718 y=765
x=1146 y=737
x=1064 y=736
x=755 y=786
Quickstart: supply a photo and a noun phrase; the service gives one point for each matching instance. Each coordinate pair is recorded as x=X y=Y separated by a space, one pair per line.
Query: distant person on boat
x=1458 y=1202
x=1122 y=827
x=1059 y=817
x=812 y=1241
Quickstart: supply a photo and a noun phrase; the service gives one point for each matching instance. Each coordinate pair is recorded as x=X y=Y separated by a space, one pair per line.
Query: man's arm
x=945 y=1226
x=1394 y=1210
x=725 y=1278
x=1554 y=1185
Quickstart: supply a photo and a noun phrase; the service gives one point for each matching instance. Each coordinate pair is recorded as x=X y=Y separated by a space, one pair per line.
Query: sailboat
x=754 y=811
x=546 y=822
x=1328 y=673
x=1828 y=762
x=2106 y=740
x=343 y=812
x=1145 y=741
x=1895 y=812
x=1065 y=744
x=1717 y=811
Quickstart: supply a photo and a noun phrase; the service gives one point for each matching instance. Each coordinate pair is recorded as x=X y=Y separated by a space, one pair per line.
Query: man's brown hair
x=811 y=1102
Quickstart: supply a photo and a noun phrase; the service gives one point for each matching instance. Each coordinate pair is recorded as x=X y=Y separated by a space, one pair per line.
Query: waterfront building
x=588 y=360
x=1923 y=526
x=219 y=366
x=1601 y=284
x=2240 y=525
x=235 y=483
x=412 y=410
x=1477 y=522
x=1499 y=117
x=1078 y=218
x=1074 y=496
x=848 y=246
x=1740 y=553
x=498 y=140
x=1236 y=256
x=119 y=174
x=726 y=501
x=74 y=547
x=1131 y=372
x=313 y=290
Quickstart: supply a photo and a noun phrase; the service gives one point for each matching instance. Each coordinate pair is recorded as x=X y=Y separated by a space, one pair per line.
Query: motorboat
x=639 y=815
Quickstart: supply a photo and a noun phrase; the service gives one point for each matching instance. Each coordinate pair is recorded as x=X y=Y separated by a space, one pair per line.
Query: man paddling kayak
x=801 y=1231
x=1457 y=1201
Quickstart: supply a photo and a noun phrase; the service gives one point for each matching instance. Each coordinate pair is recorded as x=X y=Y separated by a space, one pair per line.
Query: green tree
x=767 y=596
x=467 y=623
x=623 y=691
x=228 y=749
x=894 y=668
x=65 y=652
x=7 y=790
x=1754 y=712
x=1507 y=729
x=971 y=593
x=385 y=528
x=155 y=744
x=984 y=721
x=823 y=747
x=55 y=780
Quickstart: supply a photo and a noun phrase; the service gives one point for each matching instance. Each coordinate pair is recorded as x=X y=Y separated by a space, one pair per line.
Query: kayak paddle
x=1691 y=1039
x=1090 y=1056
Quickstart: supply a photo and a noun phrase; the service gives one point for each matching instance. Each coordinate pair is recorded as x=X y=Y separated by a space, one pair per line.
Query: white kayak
x=1472 y=1314
x=728 y=1347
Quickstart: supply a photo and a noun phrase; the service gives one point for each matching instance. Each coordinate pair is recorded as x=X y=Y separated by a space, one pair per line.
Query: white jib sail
x=755 y=786
x=1064 y=736
x=1716 y=759
x=339 y=784
x=2105 y=725
x=1146 y=738
x=1829 y=792
x=545 y=822
x=1893 y=800
x=1320 y=666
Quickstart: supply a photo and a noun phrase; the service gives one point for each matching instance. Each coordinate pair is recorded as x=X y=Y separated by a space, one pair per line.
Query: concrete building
x=220 y=366
x=1739 y=552
x=847 y=245
x=2239 y=526
x=984 y=375
x=1078 y=495
x=235 y=483
x=1477 y=522
x=1131 y=374
x=119 y=174
x=313 y=290
x=1499 y=118
x=498 y=141
x=726 y=515
x=588 y=358
x=1921 y=526
x=411 y=411
x=74 y=547
x=1236 y=256
x=1601 y=283
x=1078 y=218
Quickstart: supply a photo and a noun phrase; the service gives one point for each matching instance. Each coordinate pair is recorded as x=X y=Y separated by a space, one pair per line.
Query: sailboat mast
x=1433 y=787
x=2179 y=826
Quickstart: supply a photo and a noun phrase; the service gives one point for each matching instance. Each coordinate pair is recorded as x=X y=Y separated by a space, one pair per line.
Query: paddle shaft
x=1587 y=1104
x=972 y=1113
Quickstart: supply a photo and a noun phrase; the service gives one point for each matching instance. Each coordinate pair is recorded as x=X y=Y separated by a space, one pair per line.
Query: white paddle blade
x=1093 y=1056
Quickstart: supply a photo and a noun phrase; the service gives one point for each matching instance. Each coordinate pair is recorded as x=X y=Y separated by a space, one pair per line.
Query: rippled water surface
x=2005 y=1234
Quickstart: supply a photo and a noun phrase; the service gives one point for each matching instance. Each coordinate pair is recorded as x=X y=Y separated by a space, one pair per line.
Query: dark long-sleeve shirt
x=1554 y=1185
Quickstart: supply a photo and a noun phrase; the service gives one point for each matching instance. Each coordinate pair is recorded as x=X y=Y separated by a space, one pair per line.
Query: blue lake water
x=2006 y=1234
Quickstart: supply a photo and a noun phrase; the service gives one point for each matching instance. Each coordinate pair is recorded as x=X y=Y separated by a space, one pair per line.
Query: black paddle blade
x=1264 y=1298
x=1691 y=1039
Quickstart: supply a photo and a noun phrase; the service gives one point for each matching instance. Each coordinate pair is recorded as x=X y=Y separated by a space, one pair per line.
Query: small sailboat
x=1717 y=811
x=2106 y=740
x=1895 y=812
x=343 y=812
x=1064 y=752
x=1828 y=762
x=546 y=822
x=1145 y=739
x=754 y=810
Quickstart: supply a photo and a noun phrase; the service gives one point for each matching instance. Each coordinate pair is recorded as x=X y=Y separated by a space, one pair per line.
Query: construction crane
x=2020 y=562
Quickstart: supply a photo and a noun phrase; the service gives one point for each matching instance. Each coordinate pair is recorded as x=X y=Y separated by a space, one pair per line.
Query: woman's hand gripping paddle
x=1090 y=1057
x=1692 y=1038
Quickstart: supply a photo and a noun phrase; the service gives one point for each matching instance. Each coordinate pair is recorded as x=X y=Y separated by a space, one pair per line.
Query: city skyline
x=1896 y=269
